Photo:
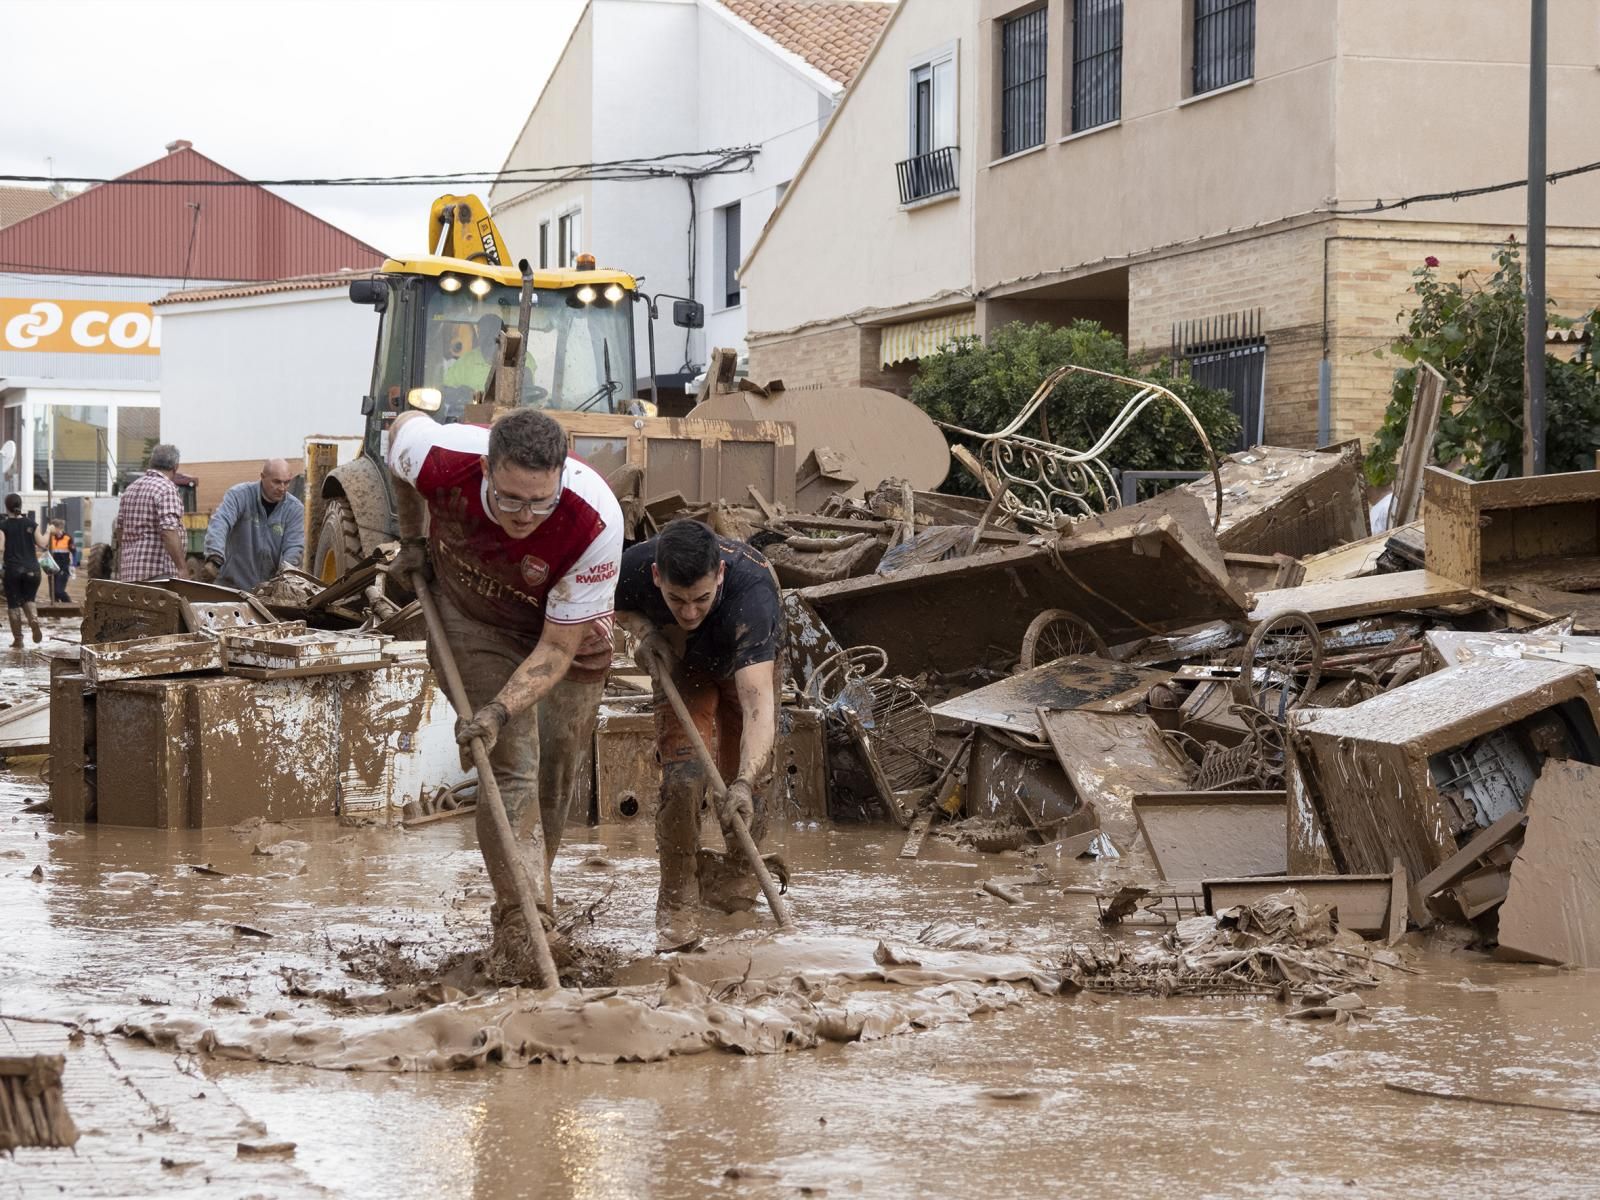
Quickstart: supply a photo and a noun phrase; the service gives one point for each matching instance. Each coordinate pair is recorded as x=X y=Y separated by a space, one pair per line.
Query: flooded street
x=1049 y=1096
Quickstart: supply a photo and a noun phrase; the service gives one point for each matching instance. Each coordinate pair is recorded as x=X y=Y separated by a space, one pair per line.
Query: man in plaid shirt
x=150 y=522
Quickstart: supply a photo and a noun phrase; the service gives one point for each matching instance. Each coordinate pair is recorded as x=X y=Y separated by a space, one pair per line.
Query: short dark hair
x=528 y=438
x=13 y=502
x=687 y=551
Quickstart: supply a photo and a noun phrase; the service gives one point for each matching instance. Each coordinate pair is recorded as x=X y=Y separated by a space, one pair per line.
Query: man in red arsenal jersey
x=524 y=543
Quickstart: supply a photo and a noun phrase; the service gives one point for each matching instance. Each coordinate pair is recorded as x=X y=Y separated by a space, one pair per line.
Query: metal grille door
x=1229 y=352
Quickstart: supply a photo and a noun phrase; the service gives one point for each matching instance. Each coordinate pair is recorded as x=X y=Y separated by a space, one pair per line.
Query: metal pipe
x=1533 y=408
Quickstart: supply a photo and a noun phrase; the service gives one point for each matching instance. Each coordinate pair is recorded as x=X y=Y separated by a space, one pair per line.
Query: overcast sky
x=280 y=89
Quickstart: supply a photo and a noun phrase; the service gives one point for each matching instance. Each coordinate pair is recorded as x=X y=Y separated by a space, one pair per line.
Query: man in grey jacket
x=257 y=530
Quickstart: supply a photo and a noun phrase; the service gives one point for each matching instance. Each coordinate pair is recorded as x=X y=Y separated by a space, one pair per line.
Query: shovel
x=489 y=794
x=775 y=901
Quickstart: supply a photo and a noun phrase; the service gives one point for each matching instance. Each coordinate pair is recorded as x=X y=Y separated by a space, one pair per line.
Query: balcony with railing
x=924 y=176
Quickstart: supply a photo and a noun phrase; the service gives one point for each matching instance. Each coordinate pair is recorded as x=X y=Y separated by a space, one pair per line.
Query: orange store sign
x=79 y=326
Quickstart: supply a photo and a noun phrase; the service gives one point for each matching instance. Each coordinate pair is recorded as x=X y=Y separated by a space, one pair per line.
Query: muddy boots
x=33 y=623
x=683 y=789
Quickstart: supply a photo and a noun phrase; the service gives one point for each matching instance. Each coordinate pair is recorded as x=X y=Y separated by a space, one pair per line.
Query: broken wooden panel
x=72 y=741
x=1087 y=680
x=1351 y=560
x=1549 y=914
x=1416 y=449
x=141 y=753
x=25 y=728
x=1504 y=835
x=1444 y=648
x=1136 y=572
x=1369 y=596
x=1112 y=757
x=1308 y=847
x=1200 y=835
x=1007 y=780
x=1543 y=531
x=1277 y=500
x=33 y=1111
x=1372 y=905
x=1418 y=770
x=149 y=657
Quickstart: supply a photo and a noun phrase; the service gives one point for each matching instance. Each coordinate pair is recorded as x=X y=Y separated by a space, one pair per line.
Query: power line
x=726 y=160
x=1459 y=194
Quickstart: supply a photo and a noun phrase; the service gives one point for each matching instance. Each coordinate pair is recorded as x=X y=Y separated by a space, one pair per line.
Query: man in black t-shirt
x=707 y=609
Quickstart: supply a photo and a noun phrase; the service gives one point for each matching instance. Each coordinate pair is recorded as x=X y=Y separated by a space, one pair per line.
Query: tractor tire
x=338 y=541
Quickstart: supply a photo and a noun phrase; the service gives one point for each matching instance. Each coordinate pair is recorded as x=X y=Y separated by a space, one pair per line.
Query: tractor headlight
x=586 y=294
x=425 y=399
x=449 y=283
x=613 y=292
x=479 y=288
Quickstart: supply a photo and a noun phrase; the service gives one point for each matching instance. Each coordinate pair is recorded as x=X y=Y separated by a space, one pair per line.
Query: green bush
x=983 y=387
x=1471 y=332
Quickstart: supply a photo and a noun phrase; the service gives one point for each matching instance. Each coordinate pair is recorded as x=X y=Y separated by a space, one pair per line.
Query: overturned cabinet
x=1416 y=772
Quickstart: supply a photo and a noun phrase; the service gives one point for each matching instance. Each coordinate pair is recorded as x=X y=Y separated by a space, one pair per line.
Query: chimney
x=180 y=144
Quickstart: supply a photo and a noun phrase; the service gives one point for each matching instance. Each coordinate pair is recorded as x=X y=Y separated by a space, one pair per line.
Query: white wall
x=252 y=378
x=842 y=242
x=642 y=78
x=758 y=94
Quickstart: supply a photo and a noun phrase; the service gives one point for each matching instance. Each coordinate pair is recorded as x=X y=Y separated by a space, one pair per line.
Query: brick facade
x=838 y=357
x=1367 y=265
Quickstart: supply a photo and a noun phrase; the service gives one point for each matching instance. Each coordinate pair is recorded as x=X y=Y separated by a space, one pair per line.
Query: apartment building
x=1211 y=178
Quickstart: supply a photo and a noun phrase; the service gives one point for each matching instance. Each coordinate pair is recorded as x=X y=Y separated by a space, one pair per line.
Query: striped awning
x=919 y=339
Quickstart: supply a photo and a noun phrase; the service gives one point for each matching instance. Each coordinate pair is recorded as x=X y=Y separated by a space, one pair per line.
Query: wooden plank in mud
x=1369 y=596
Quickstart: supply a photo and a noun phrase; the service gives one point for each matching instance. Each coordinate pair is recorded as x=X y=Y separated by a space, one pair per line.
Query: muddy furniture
x=1416 y=772
x=1276 y=500
x=1543 y=531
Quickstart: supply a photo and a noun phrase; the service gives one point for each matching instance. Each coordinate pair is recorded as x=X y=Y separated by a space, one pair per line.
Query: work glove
x=485 y=726
x=211 y=568
x=413 y=557
x=655 y=654
x=740 y=800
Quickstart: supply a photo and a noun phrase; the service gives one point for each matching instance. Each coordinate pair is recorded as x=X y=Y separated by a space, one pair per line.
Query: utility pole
x=1533 y=417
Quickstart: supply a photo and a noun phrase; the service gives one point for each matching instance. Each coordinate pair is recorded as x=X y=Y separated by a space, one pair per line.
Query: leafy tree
x=983 y=387
x=1471 y=332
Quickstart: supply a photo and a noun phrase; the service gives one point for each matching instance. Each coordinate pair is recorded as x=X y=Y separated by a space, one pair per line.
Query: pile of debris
x=1234 y=681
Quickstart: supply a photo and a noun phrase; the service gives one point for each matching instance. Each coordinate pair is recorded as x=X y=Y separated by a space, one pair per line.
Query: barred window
x=1022 y=81
x=1224 y=43
x=1096 y=63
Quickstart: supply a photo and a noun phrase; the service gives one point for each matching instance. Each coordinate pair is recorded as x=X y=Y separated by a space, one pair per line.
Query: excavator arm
x=461 y=227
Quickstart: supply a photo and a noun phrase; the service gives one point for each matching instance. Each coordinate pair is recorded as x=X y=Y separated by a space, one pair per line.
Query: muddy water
x=1050 y=1097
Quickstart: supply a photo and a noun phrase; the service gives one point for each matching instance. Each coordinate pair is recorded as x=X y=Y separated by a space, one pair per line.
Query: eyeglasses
x=534 y=508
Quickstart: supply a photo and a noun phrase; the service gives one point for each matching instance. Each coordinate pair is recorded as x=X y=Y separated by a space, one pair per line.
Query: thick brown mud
x=996 y=1088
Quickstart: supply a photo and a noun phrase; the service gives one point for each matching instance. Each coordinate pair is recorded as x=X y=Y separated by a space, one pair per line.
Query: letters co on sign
x=78 y=326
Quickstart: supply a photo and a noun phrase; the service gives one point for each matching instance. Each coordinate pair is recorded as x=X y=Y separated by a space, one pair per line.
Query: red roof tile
x=19 y=202
x=834 y=36
x=143 y=229
x=301 y=283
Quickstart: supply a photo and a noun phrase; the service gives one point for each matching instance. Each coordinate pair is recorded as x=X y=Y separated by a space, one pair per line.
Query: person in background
x=62 y=549
x=23 y=544
x=257 y=530
x=149 y=525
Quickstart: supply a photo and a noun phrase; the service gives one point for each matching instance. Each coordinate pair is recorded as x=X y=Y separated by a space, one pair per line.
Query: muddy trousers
x=541 y=758
x=685 y=791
